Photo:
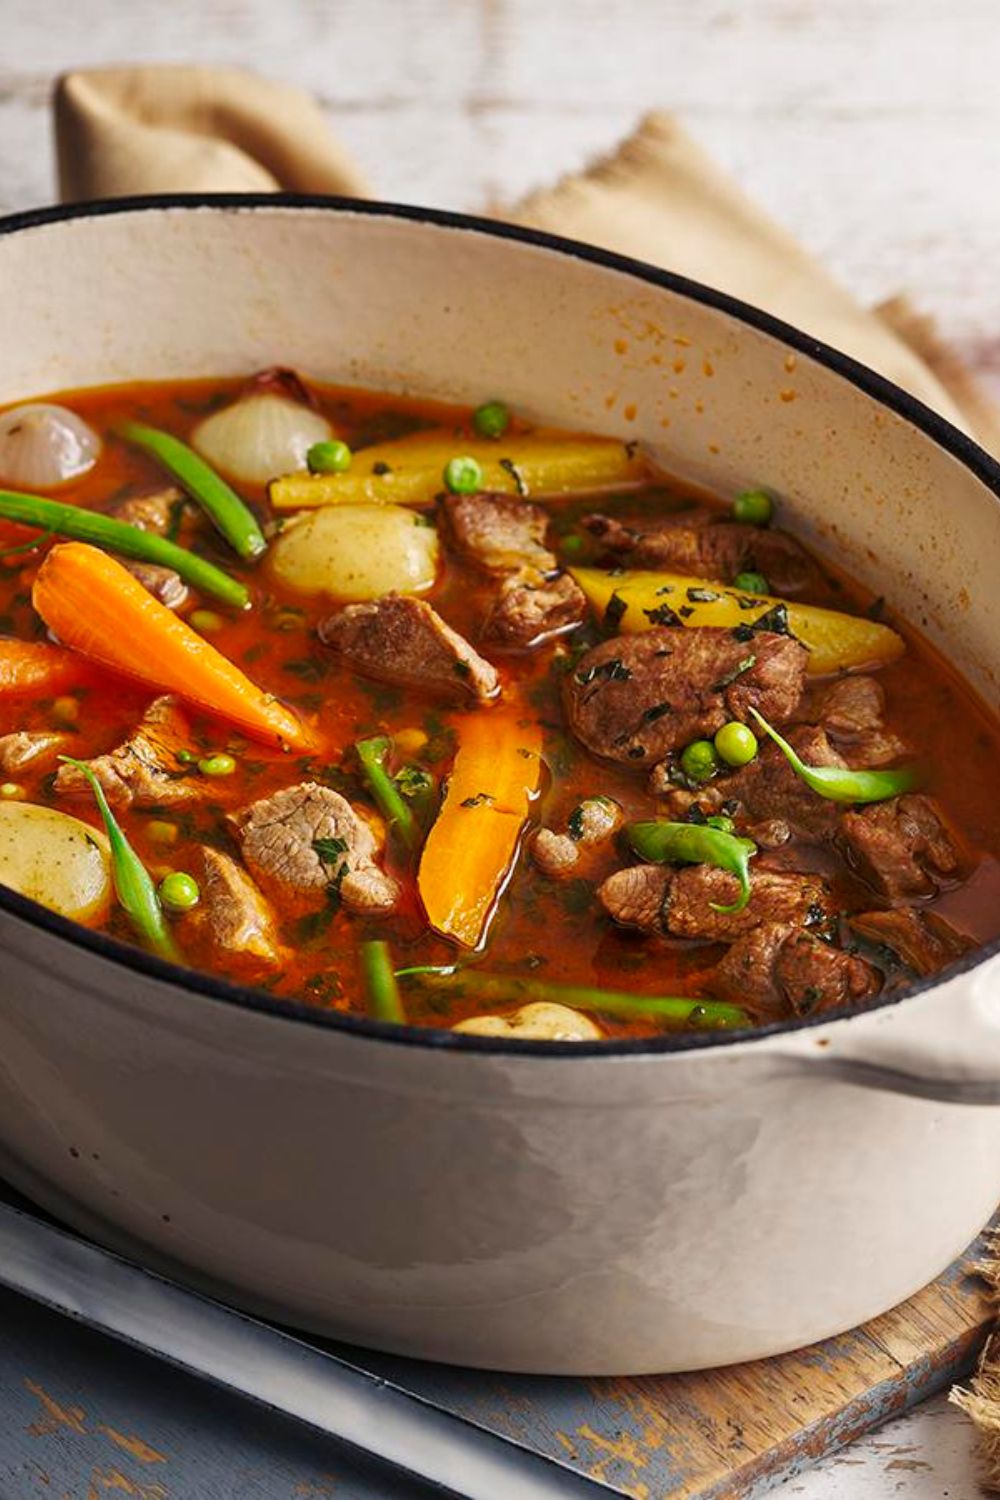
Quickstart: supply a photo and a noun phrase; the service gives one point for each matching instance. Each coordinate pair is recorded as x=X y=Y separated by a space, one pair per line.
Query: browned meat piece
x=529 y=608
x=852 y=711
x=28 y=750
x=555 y=854
x=679 y=902
x=774 y=897
x=812 y=974
x=769 y=789
x=589 y=825
x=163 y=583
x=634 y=897
x=637 y=697
x=778 y=970
x=306 y=841
x=923 y=941
x=401 y=639
x=150 y=509
x=707 y=545
x=899 y=846
x=499 y=533
x=144 y=771
x=233 y=918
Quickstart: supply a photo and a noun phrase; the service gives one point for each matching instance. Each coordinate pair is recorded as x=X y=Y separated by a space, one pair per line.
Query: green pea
x=333 y=457
x=179 y=892
x=721 y=822
x=751 y=583
x=736 y=744
x=11 y=791
x=160 y=832
x=217 y=765
x=205 y=621
x=491 y=420
x=699 y=761
x=463 y=476
x=754 y=506
x=186 y=757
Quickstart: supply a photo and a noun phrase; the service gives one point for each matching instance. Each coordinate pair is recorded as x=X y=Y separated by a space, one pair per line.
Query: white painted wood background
x=870 y=127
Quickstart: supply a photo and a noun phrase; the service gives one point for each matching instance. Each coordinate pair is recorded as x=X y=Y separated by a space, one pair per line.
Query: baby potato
x=541 y=1021
x=55 y=859
x=357 y=552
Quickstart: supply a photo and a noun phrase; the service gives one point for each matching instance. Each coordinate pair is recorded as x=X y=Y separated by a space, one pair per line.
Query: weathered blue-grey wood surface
x=82 y=1417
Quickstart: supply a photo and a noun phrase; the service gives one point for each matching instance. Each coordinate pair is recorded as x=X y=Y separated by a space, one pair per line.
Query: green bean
x=134 y=885
x=709 y=1015
x=419 y=789
x=379 y=981
x=696 y=844
x=228 y=513
x=55 y=516
x=840 y=783
x=372 y=754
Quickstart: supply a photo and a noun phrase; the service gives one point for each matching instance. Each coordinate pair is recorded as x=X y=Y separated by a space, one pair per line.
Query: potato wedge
x=410 y=470
x=541 y=1021
x=55 y=859
x=356 y=552
x=836 y=642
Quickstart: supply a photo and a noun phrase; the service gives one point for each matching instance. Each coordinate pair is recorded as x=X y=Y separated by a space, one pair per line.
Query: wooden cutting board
x=731 y=1434
x=81 y=1415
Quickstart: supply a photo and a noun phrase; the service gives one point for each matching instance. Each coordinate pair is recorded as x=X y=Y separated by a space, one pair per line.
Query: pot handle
x=943 y=1044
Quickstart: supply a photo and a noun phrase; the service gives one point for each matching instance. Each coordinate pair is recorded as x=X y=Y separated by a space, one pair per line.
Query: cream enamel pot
x=585 y=1208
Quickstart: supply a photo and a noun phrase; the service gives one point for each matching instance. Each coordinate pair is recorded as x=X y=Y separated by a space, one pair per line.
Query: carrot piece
x=96 y=607
x=471 y=848
x=35 y=667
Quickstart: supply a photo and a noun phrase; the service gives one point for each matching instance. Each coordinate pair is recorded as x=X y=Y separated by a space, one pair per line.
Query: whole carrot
x=95 y=606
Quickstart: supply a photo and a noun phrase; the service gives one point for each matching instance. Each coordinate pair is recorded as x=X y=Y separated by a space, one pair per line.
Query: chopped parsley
x=663 y=615
x=741 y=666
x=330 y=849
x=615 y=611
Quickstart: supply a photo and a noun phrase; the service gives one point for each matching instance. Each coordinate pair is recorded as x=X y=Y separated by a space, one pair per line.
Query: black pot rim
x=942 y=432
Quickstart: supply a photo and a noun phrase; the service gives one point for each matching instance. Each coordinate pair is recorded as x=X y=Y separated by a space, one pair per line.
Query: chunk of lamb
x=637 y=697
x=499 y=533
x=29 y=750
x=922 y=940
x=852 y=712
x=588 y=826
x=505 y=537
x=153 y=510
x=778 y=969
x=707 y=545
x=163 y=583
x=770 y=792
x=150 y=509
x=307 y=840
x=403 y=640
x=144 y=771
x=529 y=608
x=900 y=847
x=680 y=903
x=233 y=917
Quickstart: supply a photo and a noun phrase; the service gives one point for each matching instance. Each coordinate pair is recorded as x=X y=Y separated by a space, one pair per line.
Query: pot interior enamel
x=642 y=1210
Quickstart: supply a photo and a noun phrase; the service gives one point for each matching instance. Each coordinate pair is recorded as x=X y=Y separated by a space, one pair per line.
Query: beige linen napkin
x=658 y=197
